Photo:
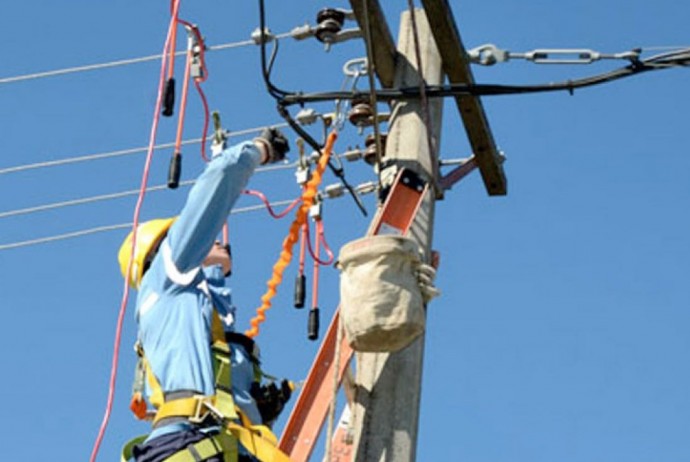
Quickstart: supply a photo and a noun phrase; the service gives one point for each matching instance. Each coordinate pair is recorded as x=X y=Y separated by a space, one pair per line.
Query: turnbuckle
x=572 y=56
x=490 y=54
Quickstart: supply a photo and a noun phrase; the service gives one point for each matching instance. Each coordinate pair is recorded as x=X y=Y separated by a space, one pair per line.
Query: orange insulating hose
x=292 y=237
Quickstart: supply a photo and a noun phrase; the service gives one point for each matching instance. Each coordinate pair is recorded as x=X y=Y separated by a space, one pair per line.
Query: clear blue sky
x=562 y=331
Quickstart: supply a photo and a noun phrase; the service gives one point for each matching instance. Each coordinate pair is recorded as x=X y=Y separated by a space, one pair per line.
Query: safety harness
x=218 y=409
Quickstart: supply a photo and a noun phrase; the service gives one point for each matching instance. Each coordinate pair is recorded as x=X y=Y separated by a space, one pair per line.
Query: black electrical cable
x=279 y=95
x=265 y=69
x=664 y=61
x=337 y=171
x=272 y=59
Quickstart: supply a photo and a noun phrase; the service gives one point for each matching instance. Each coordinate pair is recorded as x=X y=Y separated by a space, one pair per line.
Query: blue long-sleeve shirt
x=177 y=297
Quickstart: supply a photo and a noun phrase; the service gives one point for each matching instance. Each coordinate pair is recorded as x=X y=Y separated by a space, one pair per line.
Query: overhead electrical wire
x=364 y=188
x=100 y=229
x=117 y=195
x=124 y=62
x=677 y=58
x=124 y=152
x=137 y=211
x=279 y=94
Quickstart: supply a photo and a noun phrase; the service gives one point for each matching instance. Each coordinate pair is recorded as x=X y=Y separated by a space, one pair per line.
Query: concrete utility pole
x=386 y=412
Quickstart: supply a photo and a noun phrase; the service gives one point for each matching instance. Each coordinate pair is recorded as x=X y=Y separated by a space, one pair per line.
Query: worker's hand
x=425 y=277
x=274 y=143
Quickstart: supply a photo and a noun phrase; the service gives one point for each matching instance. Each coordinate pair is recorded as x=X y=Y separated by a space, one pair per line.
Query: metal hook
x=220 y=136
x=350 y=70
x=353 y=70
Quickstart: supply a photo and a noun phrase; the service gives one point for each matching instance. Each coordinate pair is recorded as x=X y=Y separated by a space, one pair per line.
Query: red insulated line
x=125 y=295
x=302 y=247
x=319 y=241
x=315 y=282
x=183 y=104
x=174 y=12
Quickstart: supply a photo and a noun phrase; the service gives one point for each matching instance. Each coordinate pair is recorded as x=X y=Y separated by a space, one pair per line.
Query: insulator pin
x=330 y=23
x=370 y=151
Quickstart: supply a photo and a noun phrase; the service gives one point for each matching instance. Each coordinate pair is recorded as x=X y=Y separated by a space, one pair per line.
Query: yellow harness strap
x=221 y=443
x=259 y=440
x=126 y=453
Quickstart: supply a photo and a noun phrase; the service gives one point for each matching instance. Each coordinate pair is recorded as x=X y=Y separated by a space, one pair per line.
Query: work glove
x=271 y=399
x=275 y=142
x=425 y=278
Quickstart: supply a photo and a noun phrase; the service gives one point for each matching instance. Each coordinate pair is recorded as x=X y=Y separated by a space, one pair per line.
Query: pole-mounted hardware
x=220 y=136
x=267 y=36
x=489 y=54
x=329 y=28
x=369 y=154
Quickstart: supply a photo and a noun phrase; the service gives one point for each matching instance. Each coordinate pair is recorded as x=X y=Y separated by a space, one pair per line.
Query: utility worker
x=179 y=270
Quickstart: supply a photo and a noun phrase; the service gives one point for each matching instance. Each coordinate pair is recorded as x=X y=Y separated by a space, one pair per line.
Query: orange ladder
x=309 y=413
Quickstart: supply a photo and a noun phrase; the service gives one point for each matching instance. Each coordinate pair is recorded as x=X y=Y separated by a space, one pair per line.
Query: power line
x=118 y=195
x=122 y=62
x=123 y=152
x=100 y=229
x=333 y=191
x=673 y=59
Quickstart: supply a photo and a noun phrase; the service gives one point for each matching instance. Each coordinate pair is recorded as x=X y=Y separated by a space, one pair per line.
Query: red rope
x=137 y=210
x=315 y=277
x=320 y=240
x=303 y=248
x=183 y=103
x=203 y=76
x=261 y=196
x=204 y=132
x=199 y=80
x=171 y=44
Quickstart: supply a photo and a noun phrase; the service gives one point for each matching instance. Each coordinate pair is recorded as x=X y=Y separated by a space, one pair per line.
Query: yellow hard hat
x=148 y=235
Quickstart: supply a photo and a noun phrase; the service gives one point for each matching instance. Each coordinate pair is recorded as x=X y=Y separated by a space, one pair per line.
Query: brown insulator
x=361 y=114
x=330 y=23
x=369 y=154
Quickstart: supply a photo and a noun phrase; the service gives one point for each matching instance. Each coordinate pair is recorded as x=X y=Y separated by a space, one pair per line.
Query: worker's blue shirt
x=177 y=297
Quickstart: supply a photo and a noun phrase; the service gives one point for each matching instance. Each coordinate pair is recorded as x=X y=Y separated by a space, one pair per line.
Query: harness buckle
x=214 y=411
x=203 y=409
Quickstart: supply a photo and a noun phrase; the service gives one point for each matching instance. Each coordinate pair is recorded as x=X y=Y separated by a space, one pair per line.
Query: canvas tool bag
x=382 y=307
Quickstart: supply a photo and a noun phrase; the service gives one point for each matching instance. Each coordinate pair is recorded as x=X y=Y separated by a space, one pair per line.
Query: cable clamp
x=316 y=210
x=307 y=116
x=367 y=188
x=302 y=175
x=259 y=38
x=352 y=155
x=488 y=55
x=196 y=69
x=334 y=190
x=302 y=32
x=220 y=136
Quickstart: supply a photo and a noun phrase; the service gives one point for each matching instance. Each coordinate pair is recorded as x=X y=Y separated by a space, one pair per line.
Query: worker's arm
x=211 y=199
x=208 y=204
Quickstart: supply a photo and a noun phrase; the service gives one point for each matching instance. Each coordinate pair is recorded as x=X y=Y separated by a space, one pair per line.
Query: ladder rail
x=309 y=412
